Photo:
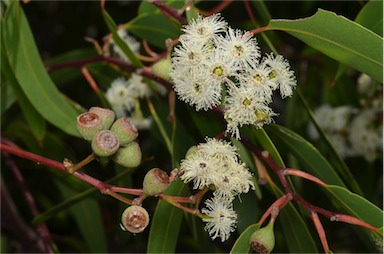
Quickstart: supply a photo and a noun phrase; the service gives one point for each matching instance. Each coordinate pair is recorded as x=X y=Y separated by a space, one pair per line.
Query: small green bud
x=106 y=115
x=105 y=143
x=135 y=219
x=88 y=124
x=129 y=155
x=191 y=151
x=162 y=68
x=156 y=181
x=262 y=240
x=125 y=130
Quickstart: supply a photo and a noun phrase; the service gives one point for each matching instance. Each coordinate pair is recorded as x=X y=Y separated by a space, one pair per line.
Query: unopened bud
x=129 y=155
x=106 y=115
x=262 y=240
x=192 y=150
x=125 y=130
x=105 y=143
x=156 y=181
x=162 y=68
x=135 y=219
x=88 y=124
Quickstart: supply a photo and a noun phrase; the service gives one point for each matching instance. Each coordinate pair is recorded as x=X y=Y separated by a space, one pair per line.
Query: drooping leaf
x=339 y=38
x=30 y=73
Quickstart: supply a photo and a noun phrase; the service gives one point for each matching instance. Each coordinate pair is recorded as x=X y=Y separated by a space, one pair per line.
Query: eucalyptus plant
x=207 y=126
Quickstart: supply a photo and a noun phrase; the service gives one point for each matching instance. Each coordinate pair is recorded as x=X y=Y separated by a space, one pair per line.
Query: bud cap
x=88 y=124
x=135 y=219
x=129 y=155
x=156 y=181
x=105 y=143
x=125 y=130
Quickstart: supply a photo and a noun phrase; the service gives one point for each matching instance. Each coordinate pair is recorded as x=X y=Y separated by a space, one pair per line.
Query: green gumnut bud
x=88 y=124
x=125 y=130
x=135 y=219
x=105 y=143
x=106 y=115
x=129 y=155
x=192 y=150
x=156 y=181
x=163 y=68
x=263 y=239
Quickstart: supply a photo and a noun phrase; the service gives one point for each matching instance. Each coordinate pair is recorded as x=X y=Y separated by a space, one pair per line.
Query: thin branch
x=320 y=231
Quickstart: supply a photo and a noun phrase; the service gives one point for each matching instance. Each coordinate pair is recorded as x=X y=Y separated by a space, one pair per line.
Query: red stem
x=168 y=11
x=122 y=64
x=320 y=231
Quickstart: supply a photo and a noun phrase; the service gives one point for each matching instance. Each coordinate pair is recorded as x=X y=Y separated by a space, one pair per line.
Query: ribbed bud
x=105 y=143
x=262 y=240
x=88 y=124
x=125 y=130
x=135 y=219
x=129 y=155
x=106 y=115
x=162 y=68
x=156 y=181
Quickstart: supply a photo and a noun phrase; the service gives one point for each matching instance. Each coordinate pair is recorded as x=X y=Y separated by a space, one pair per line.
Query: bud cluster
x=110 y=137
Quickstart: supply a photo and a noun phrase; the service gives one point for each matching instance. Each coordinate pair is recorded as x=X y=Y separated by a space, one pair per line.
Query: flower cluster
x=352 y=131
x=124 y=96
x=216 y=65
x=215 y=165
x=133 y=44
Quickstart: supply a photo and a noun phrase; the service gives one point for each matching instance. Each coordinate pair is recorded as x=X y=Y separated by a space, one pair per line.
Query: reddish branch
x=79 y=64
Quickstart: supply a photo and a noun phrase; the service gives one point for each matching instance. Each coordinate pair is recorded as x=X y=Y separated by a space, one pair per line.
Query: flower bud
x=263 y=239
x=106 y=115
x=162 y=68
x=125 y=130
x=135 y=219
x=105 y=143
x=129 y=155
x=191 y=150
x=156 y=181
x=88 y=124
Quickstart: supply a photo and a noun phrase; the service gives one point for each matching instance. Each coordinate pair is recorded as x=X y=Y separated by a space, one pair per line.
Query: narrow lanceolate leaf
x=339 y=38
x=371 y=16
x=166 y=221
x=242 y=243
x=313 y=160
x=28 y=68
x=357 y=206
x=35 y=120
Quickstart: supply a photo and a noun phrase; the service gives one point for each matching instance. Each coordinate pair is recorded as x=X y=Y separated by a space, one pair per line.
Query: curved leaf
x=242 y=243
x=371 y=16
x=339 y=38
x=357 y=206
x=315 y=163
x=30 y=73
x=142 y=26
x=165 y=223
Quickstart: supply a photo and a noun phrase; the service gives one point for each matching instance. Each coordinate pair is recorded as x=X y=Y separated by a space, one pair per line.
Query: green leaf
x=27 y=66
x=357 y=206
x=34 y=119
x=314 y=162
x=242 y=243
x=166 y=222
x=142 y=26
x=116 y=38
x=267 y=144
x=371 y=16
x=88 y=217
x=339 y=38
